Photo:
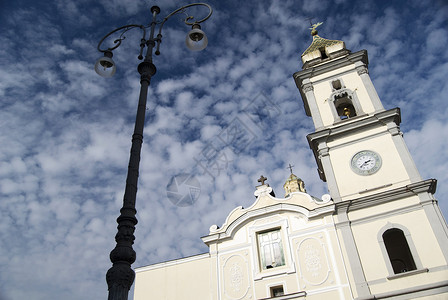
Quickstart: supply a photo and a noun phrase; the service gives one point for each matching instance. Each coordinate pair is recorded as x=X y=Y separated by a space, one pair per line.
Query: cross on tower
x=262 y=179
x=290 y=167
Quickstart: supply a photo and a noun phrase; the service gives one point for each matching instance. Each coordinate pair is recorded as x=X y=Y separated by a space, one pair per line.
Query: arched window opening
x=344 y=106
x=398 y=251
x=323 y=54
x=344 y=103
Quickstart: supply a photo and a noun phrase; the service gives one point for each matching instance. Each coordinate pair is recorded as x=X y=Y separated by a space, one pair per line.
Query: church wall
x=313 y=260
x=235 y=274
x=375 y=260
x=317 y=79
x=318 y=262
x=352 y=81
x=355 y=137
x=392 y=172
x=189 y=278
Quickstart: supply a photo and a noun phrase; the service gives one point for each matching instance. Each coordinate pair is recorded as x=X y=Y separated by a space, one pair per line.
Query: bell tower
x=393 y=236
x=358 y=145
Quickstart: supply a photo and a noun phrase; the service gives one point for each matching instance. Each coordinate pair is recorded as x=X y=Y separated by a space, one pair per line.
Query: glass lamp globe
x=196 y=39
x=105 y=65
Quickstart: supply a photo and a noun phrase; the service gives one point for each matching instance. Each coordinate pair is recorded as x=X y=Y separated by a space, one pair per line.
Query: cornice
x=425 y=186
x=349 y=127
x=330 y=65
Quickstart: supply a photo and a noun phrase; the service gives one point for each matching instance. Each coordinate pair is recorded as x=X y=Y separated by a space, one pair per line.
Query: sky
x=65 y=132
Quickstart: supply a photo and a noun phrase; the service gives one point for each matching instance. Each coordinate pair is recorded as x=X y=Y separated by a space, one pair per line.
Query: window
x=398 y=251
x=344 y=102
x=345 y=111
x=277 y=291
x=271 y=249
x=323 y=54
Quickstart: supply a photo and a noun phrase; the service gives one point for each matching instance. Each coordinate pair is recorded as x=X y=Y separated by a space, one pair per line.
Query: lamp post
x=121 y=276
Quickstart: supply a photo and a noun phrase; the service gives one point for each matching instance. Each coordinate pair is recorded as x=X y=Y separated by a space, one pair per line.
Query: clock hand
x=365 y=162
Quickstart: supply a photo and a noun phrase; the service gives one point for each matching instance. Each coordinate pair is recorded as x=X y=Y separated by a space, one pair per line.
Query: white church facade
x=378 y=234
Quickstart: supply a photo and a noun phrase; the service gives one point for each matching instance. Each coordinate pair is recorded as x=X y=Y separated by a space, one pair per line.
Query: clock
x=366 y=162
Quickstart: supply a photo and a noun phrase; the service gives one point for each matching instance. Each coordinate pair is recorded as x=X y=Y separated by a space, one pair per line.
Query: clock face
x=366 y=162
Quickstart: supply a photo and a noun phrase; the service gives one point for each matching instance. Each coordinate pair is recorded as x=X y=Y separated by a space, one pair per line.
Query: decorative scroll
x=307 y=87
x=362 y=70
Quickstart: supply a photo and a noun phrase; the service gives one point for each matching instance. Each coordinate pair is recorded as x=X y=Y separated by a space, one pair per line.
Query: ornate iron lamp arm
x=122 y=37
x=186 y=21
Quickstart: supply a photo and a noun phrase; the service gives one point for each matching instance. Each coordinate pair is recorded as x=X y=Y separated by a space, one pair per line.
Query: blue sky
x=65 y=132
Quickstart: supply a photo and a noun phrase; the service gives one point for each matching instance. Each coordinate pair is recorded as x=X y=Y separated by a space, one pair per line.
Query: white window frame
x=289 y=267
x=272 y=248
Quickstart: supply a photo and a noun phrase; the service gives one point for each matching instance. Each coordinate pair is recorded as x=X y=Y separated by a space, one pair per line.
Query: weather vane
x=313 y=26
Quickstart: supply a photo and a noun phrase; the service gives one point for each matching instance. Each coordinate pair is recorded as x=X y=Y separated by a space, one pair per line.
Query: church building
x=378 y=234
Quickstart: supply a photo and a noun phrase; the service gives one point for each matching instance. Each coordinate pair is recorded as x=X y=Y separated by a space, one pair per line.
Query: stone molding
x=319 y=212
x=409 y=190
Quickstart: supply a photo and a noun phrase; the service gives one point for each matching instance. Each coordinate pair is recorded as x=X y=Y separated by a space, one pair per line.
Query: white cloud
x=66 y=132
x=428 y=146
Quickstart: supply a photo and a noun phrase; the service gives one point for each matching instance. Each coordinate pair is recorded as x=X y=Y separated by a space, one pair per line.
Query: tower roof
x=292 y=177
x=293 y=184
x=322 y=49
x=319 y=42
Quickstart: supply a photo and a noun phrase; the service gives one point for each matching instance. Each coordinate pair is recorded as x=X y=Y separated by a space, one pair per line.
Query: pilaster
x=363 y=72
x=308 y=89
x=436 y=221
x=403 y=151
x=343 y=226
x=324 y=157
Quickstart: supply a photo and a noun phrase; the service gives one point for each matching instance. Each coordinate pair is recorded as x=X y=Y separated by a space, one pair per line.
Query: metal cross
x=262 y=179
x=290 y=167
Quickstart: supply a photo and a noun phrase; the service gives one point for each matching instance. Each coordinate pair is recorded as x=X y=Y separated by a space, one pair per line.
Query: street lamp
x=121 y=276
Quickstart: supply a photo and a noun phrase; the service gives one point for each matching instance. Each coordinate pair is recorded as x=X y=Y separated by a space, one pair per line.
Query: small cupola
x=293 y=184
x=321 y=49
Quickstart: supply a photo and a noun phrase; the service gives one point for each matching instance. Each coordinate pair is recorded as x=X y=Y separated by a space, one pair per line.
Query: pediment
x=298 y=202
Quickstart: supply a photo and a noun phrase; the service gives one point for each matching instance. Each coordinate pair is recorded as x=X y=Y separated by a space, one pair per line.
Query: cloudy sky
x=65 y=132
